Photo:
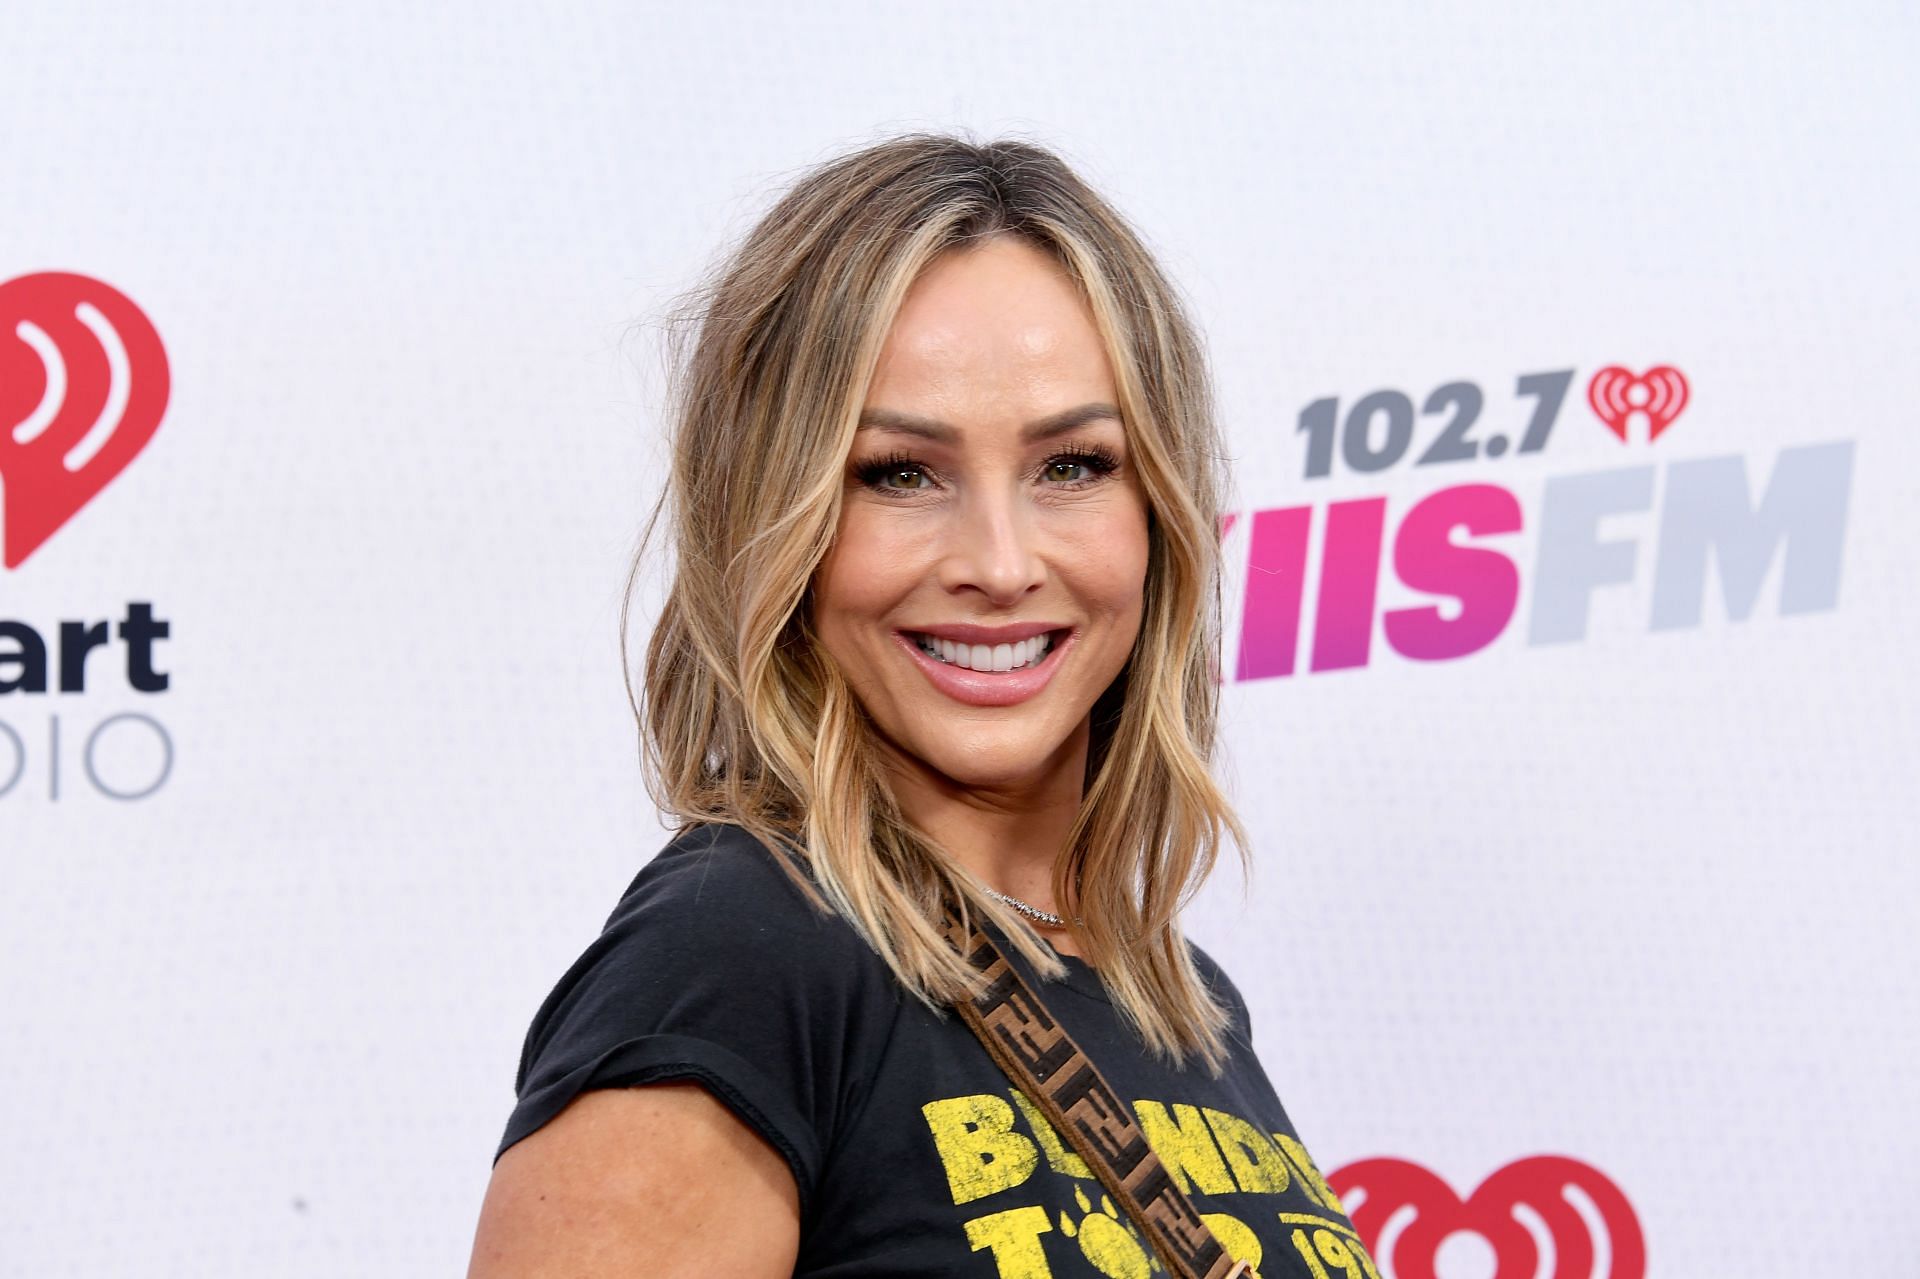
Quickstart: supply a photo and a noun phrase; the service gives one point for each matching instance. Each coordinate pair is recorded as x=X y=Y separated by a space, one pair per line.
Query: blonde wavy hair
x=746 y=719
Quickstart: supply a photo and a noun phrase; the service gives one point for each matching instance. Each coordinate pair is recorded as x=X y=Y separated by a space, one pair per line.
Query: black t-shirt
x=913 y=1153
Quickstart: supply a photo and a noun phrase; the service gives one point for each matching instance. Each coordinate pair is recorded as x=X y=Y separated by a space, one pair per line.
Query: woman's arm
x=658 y=1180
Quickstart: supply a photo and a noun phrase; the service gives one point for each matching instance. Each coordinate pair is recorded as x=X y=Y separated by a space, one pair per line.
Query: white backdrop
x=1633 y=895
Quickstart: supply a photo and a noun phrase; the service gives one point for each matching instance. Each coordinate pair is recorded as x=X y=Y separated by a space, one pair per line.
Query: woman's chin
x=1007 y=764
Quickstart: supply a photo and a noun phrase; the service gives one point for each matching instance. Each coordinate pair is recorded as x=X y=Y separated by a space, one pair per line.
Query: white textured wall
x=1641 y=900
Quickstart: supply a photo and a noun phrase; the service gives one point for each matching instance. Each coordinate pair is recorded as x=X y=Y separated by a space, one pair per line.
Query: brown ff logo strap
x=1044 y=1062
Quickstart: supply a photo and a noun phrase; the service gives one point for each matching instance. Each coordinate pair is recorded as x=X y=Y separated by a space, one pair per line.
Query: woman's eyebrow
x=895 y=422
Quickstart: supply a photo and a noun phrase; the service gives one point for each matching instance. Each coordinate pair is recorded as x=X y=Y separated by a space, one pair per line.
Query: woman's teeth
x=986 y=657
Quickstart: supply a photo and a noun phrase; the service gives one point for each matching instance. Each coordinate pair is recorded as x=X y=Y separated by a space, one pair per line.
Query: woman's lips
x=988 y=688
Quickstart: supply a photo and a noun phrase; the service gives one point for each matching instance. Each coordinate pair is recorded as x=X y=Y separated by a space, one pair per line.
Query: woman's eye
x=1079 y=468
x=894 y=475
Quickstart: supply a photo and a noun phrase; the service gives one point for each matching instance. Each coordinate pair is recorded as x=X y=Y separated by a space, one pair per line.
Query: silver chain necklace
x=1031 y=912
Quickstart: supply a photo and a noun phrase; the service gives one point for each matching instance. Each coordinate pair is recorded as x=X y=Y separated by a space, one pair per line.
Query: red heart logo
x=1378 y=1189
x=83 y=385
x=1616 y=394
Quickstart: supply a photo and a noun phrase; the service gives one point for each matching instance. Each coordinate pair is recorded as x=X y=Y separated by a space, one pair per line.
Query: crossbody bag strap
x=1044 y=1062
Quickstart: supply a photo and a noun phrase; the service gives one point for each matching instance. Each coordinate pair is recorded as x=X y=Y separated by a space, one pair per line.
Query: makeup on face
x=985 y=582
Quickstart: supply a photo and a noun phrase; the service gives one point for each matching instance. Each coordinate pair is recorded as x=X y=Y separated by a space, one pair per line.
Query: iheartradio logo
x=83 y=385
x=1616 y=394
x=1542 y=1217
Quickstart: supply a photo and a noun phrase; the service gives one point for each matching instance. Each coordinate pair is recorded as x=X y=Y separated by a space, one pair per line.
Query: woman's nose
x=994 y=550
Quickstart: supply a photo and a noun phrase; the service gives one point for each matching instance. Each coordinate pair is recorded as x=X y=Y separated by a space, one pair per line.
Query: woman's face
x=985 y=583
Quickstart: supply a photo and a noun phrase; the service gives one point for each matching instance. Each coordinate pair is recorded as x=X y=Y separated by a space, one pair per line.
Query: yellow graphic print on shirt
x=989 y=1146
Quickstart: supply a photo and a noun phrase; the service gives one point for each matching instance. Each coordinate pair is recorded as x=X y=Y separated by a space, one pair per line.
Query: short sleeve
x=713 y=968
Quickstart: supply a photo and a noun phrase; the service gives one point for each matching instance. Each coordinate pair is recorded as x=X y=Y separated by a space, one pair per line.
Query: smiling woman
x=941 y=639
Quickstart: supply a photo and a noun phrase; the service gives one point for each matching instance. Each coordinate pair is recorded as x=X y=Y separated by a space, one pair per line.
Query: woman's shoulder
x=1215 y=978
x=713 y=865
x=721 y=887
x=710 y=856
x=715 y=966
x=1210 y=969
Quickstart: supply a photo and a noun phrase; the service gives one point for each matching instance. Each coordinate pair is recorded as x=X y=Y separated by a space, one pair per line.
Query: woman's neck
x=1008 y=835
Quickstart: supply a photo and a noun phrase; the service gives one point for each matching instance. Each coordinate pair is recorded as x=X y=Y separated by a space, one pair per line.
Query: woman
x=942 y=630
